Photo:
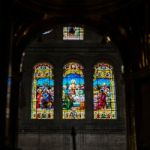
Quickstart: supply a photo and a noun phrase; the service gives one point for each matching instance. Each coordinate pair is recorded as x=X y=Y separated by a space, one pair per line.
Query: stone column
x=5 y=48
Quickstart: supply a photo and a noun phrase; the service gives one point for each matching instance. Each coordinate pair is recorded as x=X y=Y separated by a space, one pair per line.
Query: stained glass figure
x=42 y=106
x=73 y=95
x=73 y=33
x=104 y=97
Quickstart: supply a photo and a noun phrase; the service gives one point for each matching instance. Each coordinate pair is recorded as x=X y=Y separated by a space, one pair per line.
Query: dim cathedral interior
x=96 y=96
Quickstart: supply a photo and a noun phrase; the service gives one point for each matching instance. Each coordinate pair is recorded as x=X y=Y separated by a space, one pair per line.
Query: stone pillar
x=130 y=107
x=5 y=48
x=14 y=100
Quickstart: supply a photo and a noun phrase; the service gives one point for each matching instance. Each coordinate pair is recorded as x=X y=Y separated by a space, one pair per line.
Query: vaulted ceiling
x=124 y=20
x=75 y=6
x=31 y=13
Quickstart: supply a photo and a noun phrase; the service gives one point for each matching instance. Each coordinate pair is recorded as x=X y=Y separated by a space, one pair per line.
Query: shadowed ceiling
x=78 y=5
x=122 y=20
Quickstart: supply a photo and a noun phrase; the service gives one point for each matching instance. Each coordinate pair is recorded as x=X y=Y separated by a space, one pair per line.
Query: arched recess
x=73 y=91
x=90 y=51
x=104 y=93
x=42 y=105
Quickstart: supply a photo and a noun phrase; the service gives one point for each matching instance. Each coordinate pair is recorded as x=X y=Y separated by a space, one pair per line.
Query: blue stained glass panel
x=42 y=106
x=73 y=95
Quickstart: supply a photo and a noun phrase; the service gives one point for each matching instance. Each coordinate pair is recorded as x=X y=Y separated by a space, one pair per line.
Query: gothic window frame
x=104 y=91
x=73 y=74
x=42 y=97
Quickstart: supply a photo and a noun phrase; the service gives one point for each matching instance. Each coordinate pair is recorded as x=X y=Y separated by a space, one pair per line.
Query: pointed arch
x=104 y=97
x=42 y=92
x=73 y=93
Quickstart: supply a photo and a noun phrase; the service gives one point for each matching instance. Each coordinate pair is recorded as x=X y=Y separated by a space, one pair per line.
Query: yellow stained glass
x=42 y=106
x=104 y=98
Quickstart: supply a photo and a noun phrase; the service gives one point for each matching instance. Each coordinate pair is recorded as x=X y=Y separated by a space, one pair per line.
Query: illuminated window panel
x=73 y=33
x=73 y=94
x=104 y=97
x=42 y=106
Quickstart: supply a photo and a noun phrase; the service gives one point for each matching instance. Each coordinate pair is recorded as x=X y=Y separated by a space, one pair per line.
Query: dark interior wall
x=134 y=19
x=142 y=97
x=51 y=48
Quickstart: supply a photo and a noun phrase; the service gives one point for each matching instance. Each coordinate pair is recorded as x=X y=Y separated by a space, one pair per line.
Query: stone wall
x=65 y=142
x=93 y=134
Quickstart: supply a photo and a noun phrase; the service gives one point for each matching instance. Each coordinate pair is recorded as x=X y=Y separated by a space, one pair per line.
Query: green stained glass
x=73 y=95
x=73 y=33
x=104 y=98
x=42 y=92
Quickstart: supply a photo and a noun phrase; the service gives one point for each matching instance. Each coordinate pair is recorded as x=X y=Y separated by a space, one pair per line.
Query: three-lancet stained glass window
x=104 y=97
x=42 y=106
x=73 y=93
x=73 y=33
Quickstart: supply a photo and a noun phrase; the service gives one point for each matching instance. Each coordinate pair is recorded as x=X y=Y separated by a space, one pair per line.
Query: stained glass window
x=104 y=97
x=42 y=92
x=73 y=95
x=73 y=33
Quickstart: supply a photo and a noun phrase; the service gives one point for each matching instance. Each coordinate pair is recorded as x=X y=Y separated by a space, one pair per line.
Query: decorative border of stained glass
x=73 y=33
x=42 y=105
x=73 y=94
x=104 y=97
